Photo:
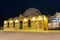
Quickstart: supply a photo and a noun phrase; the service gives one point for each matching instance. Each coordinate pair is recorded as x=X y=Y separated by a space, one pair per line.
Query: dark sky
x=12 y=8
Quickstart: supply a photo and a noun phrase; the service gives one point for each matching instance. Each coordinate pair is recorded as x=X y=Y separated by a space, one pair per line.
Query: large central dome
x=31 y=12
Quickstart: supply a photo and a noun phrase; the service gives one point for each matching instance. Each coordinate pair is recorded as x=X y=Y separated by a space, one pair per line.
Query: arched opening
x=8 y=25
x=29 y=23
x=13 y=24
x=21 y=24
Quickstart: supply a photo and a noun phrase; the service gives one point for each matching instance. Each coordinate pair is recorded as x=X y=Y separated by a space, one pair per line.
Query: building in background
x=30 y=20
x=54 y=21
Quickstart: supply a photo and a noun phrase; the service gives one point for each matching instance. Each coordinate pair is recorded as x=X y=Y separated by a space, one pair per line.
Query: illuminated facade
x=34 y=23
x=31 y=20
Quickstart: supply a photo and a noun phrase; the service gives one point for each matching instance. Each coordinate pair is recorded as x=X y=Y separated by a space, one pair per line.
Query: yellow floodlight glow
x=33 y=18
x=11 y=21
x=25 y=19
x=39 y=18
x=16 y=21
x=5 y=21
x=45 y=18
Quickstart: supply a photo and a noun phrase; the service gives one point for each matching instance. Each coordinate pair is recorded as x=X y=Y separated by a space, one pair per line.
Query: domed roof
x=31 y=12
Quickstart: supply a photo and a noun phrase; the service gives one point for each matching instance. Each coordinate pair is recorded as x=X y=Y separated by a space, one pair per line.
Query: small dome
x=31 y=12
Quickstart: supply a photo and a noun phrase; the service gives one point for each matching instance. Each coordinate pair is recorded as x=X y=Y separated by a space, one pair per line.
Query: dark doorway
x=8 y=25
x=14 y=24
x=21 y=24
x=29 y=23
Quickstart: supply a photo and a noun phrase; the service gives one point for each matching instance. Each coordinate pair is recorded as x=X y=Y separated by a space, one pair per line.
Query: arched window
x=21 y=24
x=29 y=23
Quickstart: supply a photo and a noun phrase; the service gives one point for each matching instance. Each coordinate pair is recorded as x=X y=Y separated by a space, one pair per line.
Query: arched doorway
x=21 y=24
x=29 y=23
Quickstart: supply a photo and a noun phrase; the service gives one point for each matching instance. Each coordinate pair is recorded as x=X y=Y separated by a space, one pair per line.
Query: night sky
x=12 y=8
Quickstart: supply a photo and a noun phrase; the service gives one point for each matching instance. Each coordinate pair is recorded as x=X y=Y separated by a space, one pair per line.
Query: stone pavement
x=29 y=36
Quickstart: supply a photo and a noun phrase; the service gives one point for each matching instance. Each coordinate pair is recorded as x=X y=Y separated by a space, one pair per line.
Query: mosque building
x=32 y=19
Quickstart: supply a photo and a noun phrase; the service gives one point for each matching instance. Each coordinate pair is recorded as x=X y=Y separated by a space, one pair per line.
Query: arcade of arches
x=31 y=20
